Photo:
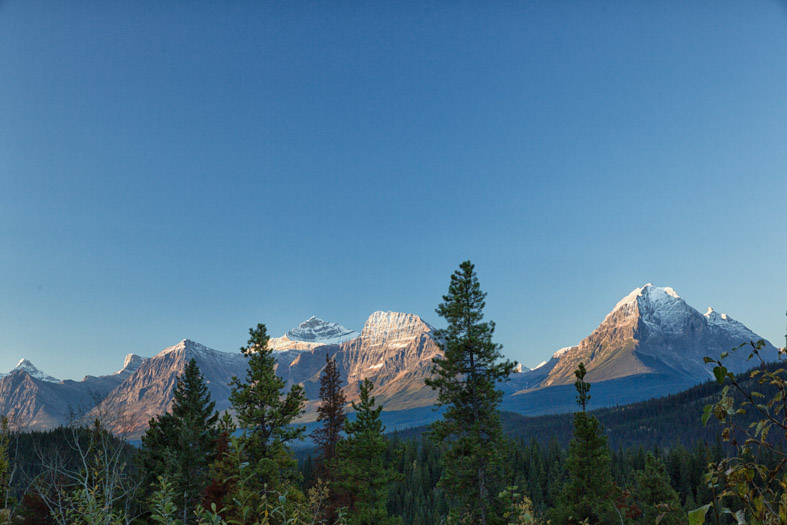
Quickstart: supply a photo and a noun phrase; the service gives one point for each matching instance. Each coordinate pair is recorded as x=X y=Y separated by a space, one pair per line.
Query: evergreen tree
x=330 y=412
x=590 y=492
x=656 y=497
x=465 y=380
x=265 y=415
x=180 y=445
x=361 y=471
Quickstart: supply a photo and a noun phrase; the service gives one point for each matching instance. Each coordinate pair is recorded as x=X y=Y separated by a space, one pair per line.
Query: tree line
x=195 y=466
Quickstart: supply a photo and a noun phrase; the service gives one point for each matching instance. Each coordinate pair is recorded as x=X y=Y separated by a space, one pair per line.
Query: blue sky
x=174 y=170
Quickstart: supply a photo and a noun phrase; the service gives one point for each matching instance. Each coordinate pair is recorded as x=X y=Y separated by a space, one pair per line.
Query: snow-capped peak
x=32 y=371
x=188 y=344
x=558 y=353
x=653 y=293
x=315 y=330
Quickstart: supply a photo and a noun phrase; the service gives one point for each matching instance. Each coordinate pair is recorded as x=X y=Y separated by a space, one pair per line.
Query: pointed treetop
x=583 y=388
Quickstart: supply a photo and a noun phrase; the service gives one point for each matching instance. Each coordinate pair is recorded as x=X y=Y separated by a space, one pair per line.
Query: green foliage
x=266 y=415
x=162 y=506
x=743 y=477
x=180 y=445
x=362 y=476
x=583 y=388
x=465 y=380
x=655 y=496
x=590 y=492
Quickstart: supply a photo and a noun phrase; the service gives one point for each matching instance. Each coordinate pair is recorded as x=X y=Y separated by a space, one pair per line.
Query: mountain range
x=650 y=344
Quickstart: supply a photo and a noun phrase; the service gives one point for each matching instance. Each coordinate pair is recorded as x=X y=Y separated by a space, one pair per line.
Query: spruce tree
x=361 y=471
x=656 y=497
x=179 y=445
x=265 y=415
x=590 y=492
x=465 y=379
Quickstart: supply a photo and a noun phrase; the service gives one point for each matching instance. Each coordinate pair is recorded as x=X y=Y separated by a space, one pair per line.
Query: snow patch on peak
x=712 y=315
x=651 y=294
x=557 y=354
x=539 y=365
x=188 y=344
x=131 y=363
x=28 y=367
x=315 y=330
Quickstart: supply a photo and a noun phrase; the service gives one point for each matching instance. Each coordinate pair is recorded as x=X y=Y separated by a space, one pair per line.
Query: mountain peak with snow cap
x=310 y=334
x=27 y=366
x=315 y=330
x=649 y=293
x=652 y=330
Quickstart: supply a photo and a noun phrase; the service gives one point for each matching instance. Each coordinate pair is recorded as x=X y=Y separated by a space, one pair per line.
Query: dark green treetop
x=362 y=476
x=590 y=492
x=265 y=414
x=179 y=445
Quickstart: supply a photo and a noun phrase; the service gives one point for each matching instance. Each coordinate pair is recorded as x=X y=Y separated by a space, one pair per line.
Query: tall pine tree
x=179 y=445
x=265 y=414
x=363 y=477
x=590 y=492
x=465 y=380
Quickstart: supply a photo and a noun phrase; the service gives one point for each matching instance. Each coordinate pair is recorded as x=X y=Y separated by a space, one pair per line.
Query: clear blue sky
x=174 y=170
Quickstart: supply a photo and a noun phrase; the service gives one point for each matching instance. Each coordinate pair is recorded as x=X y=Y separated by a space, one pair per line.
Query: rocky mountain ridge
x=650 y=331
x=650 y=344
x=33 y=400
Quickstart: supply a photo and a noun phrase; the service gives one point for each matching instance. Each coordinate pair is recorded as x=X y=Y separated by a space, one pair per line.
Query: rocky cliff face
x=33 y=400
x=147 y=392
x=653 y=331
x=394 y=350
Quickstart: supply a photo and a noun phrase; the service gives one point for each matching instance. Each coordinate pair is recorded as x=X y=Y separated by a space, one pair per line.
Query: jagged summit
x=28 y=367
x=387 y=325
x=131 y=363
x=315 y=330
x=312 y=333
x=188 y=349
x=185 y=344
x=648 y=293
x=653 y=331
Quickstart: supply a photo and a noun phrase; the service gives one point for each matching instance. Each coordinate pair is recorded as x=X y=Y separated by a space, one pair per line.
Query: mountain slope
x=32 y=402
x=394 y=350
x=148 y=392
x=653 y=331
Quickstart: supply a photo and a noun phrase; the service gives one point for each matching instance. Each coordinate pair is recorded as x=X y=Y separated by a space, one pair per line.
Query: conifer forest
x=712 y=454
